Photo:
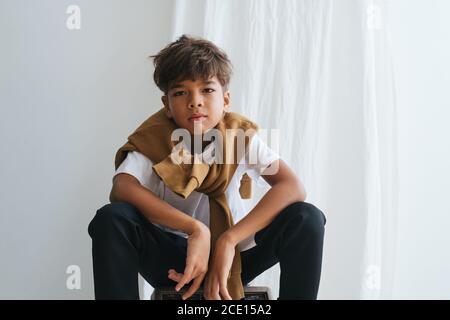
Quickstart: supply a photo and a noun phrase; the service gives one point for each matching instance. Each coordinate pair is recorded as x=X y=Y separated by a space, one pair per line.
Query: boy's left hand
x=215 y=287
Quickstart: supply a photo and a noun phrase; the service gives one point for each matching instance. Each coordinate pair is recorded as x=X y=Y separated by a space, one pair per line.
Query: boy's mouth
x=197 y=118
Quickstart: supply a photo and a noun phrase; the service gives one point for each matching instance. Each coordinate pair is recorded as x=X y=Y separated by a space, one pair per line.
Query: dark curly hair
x=190 y=58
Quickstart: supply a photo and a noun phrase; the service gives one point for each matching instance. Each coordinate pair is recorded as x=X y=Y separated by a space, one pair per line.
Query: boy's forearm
x=153 y=208
x=276 y=199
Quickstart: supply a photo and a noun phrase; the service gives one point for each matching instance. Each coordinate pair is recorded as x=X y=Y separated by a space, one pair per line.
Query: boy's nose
x=197 y=104
x=196 y=100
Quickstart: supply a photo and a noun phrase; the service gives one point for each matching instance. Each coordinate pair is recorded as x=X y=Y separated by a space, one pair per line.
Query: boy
x=173 y=222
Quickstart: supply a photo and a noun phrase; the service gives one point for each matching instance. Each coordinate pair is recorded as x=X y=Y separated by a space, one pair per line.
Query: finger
x=194 y=287
x=224 y=290
x=214 y=290
x=185 y=278
x=172 y=271
x=223 y=287
x=175 y=276
x=207 y=292
x=206 y=288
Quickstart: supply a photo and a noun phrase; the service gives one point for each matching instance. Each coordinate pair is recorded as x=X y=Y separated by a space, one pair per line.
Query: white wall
x=420 y=40
x=68 y=100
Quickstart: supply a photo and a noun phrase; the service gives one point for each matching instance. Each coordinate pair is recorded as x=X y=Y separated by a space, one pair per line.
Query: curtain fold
x=381 y=172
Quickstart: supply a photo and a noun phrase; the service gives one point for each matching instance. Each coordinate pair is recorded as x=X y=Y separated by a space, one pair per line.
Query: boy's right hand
x=196 y=261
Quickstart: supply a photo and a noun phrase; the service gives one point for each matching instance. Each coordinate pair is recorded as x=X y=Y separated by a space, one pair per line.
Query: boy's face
x=187 y=100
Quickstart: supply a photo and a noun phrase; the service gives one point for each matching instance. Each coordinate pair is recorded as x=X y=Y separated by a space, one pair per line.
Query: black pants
x=125 y=242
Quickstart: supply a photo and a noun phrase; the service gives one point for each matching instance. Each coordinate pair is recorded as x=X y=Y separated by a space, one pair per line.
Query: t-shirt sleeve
x=137 y=165
x=259 y=157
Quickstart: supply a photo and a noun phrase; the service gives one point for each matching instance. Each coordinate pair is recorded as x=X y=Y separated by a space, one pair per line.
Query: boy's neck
x=202 y=145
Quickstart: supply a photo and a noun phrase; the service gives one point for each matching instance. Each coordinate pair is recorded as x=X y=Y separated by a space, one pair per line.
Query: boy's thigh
x=255 y=261
x=157 y=250
x=163 y=251
x=120 y=213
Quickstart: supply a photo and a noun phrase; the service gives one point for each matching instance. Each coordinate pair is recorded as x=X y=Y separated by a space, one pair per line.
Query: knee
x=107 y=216
x=306 y=216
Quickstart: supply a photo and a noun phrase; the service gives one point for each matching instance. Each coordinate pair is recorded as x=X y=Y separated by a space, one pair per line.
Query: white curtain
x=380 y=153
x=336 y=124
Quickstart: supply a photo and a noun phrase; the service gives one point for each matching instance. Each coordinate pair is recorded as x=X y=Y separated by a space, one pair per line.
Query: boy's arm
x=127 y=188
x=285 y=189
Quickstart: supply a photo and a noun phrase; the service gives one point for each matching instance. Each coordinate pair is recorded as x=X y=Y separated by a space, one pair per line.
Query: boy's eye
x=178 y=93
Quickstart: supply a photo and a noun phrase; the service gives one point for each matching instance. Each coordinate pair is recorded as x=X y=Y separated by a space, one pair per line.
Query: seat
x=169 y=293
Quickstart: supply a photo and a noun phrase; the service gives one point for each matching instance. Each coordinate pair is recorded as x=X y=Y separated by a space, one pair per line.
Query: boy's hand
x=215 y=287
x=196 y=261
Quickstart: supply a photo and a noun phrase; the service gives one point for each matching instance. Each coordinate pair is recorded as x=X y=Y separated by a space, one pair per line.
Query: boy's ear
x=166 y=106
x=226 y=100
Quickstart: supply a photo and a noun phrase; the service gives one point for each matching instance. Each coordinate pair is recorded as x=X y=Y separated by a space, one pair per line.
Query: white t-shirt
x=197 y=204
